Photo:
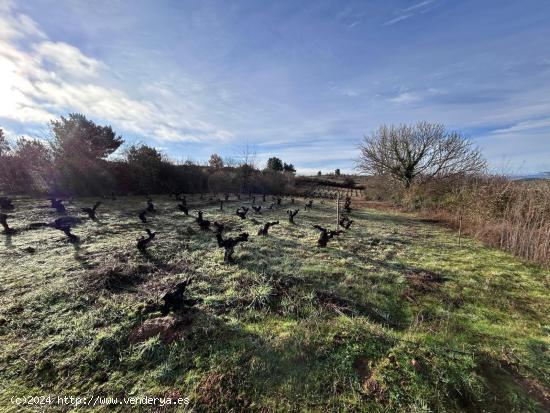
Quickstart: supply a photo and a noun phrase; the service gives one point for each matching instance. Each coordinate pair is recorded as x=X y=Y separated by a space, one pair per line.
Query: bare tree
x=215 y=161
x=249 y=156
x=4 y=145
x=412 y=152
x=246 y=168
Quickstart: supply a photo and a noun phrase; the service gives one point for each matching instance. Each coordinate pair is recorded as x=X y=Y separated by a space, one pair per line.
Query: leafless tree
x=215 y=161
x=412 y=152
x=248 y=156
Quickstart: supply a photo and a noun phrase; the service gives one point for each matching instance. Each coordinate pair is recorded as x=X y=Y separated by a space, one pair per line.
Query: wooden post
x=460 y=230
x=337 y=210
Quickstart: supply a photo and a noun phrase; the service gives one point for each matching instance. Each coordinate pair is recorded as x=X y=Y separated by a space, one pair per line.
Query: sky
x=301 y=80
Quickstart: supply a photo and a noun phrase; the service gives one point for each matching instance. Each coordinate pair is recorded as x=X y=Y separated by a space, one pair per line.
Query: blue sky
x=302 y=80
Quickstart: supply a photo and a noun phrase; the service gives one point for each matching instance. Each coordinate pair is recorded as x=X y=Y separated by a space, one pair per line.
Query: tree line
x=79 y=159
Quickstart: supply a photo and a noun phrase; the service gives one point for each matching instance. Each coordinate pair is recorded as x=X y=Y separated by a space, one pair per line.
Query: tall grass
x=524 y=225
x=511 y=215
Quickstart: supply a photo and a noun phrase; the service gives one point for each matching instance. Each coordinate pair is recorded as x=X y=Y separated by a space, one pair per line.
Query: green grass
x=393 y=315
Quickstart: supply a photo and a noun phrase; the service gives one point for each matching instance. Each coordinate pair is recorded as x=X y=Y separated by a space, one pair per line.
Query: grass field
x=394 y=315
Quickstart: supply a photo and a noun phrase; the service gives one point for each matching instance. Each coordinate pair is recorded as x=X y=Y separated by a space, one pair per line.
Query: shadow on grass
x=256 y=260
x=158 y=262
x=233 y=362
x=8 y=243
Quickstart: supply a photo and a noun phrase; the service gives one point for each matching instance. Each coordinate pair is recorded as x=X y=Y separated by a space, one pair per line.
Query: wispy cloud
x=67 y=59
x=407 y=13
x=16 y=25
x=353 y=24
x=527 y=125
x=397 y=19
x=405 y=97
x=420 y=5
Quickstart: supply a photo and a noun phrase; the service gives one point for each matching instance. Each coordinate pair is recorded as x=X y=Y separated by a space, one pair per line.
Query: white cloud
x=68 y=59
x=524 y=126
x=28 y=26
x=14 y=25
x=44 y=79
x=404 y=98
x=170 y=135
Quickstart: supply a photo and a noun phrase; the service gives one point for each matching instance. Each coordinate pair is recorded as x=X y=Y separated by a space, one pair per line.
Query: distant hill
x=538 y=175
